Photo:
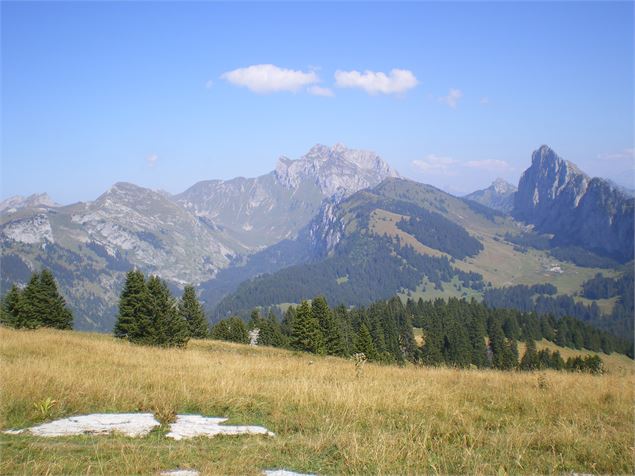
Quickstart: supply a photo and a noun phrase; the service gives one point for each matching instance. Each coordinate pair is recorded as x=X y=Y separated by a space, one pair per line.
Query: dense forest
x=363 y=270
x=454 y=332
x=542 y=300
x=436 y=231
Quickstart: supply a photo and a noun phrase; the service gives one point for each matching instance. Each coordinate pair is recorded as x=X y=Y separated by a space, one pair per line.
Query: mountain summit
x=557 y=197
x=336 y=170
x=258 y=212
x=499 y=196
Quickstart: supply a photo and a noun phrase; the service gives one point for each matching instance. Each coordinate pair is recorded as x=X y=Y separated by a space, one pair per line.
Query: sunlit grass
x=390 y=420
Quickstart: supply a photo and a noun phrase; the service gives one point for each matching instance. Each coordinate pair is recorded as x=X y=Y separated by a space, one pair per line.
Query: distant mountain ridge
x=259 y=212
x=498 y=196
x=556 y=197
x=336 y=220
x=184 y=238
x=36 y=200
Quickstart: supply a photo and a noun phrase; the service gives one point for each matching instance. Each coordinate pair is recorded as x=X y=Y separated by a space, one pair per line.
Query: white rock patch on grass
x=180 y=472
x=129 y=424
x=283 y=472
x=190 y=426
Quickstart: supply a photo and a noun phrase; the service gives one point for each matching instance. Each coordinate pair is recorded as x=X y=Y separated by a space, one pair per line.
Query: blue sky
x=162 y=94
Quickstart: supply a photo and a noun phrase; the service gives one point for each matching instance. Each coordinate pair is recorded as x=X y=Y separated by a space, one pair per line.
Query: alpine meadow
x=301 y=239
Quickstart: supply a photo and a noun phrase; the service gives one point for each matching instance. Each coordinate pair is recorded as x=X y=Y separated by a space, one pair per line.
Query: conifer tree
x=237 y=331
x=496 y=343
x=306 y=333
x=191 y=311
x=133 y=320
x=530 y=359
x=43 y=305
x=432 y=351
x=168 y=328
x=11 y=308
x=333 y=342
x=364 y=343
x=220 y=330
x=273 y=335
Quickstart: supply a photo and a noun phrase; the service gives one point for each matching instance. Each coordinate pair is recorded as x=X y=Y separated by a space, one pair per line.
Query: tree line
x=455 y=333
x=39 y=304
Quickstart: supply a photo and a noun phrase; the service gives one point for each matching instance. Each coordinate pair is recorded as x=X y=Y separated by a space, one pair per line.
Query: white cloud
x=626 y=154
x=152 y=159
x=452 y=99
x=269 y=78
x=320 y=91
x=436 y=164
x=489 y=164
x=397 y=81
x=208 y=84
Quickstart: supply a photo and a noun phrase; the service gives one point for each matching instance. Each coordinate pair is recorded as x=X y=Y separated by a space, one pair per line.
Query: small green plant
x=45 y=407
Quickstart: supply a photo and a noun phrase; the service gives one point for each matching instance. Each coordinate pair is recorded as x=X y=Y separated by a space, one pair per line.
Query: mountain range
x=336 y=221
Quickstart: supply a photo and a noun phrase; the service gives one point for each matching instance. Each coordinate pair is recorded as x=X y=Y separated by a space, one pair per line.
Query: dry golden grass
x=390 y=421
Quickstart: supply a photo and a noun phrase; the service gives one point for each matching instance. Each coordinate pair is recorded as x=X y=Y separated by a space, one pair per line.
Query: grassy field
x=389 y=420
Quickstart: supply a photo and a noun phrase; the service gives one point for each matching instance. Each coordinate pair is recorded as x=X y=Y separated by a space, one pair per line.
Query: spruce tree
x=33 y=304
x=530 y=359
x=59 y=315
x=191 y=311
x=42 y=304
x=364 y=343
x=133 y=320
x=333 y=342
x=237 y=331
x=220 y=330
x=12 y=309
x=496 y=343
x=306 y=334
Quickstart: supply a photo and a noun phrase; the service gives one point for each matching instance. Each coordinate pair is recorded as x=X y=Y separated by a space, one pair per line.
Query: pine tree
x=220 y=330
x=273 y=334
x=496 y=343
x=333 y=342
x=191 y=311
x=42 y=304
x=12 y=308
x=133 y=320
x=33 y=305
x=530 y=358
x=59 y=315
x=364 y=343
x=237 y=331
x=306 y=334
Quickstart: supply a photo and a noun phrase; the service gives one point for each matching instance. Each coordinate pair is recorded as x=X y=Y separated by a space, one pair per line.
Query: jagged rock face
x=17 y=202
x=261 y=211
x=187 y=238
x=336 y=170
x=89 y=247
x=154 y=232
x=499 y=196
x=557 y=197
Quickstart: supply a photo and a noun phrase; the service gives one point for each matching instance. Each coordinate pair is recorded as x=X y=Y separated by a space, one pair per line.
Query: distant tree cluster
x=383 y=332
x=150 y=315
x=436 y=231
x=39 y=304
x=455 y=333
x=541 y=299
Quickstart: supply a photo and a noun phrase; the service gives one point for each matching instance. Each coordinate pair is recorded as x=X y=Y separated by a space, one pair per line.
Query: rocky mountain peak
x=501 y=186
x=16 y=202
x=558 y=198
x=499 y=196
x=336 y=170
